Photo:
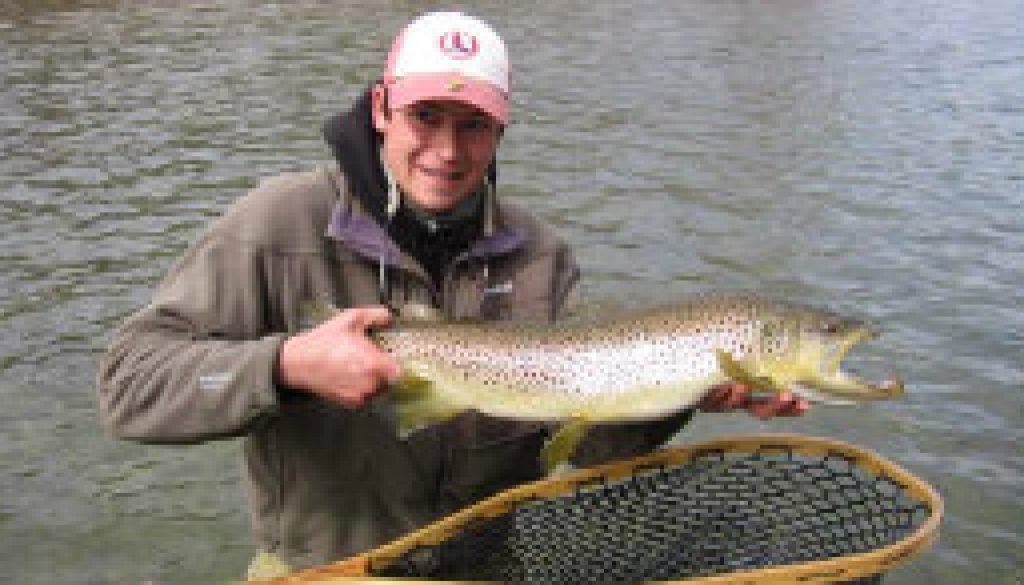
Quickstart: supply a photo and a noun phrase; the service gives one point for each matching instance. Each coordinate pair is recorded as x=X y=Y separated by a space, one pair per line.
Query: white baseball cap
x=450 y=56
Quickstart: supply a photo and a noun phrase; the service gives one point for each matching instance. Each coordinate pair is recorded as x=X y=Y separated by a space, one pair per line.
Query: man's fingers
x=739 y=396
x=355 y=400
x=782 y=404
x=797 y=407
x=712 y=401
x=726 y=397
x=365 y=318
x=790 y=404
x=389 y=370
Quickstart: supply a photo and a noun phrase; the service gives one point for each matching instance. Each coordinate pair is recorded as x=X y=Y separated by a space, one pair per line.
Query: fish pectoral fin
x=561 y=445
x=418 y=404
x=738 y=373
x=411 y=387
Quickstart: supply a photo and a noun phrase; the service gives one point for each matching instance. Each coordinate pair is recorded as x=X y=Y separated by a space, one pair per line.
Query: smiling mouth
x=444 y=175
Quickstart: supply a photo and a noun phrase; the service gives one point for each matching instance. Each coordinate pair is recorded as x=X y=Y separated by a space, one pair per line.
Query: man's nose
x=446 y=141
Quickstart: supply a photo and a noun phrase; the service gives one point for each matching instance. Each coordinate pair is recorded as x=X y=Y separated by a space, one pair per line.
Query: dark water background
x=868 y=156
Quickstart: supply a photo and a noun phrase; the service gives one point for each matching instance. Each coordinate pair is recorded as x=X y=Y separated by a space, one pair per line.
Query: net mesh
x=719 y=512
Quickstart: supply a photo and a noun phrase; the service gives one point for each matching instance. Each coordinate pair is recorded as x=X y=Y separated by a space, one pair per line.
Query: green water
x=868 y=156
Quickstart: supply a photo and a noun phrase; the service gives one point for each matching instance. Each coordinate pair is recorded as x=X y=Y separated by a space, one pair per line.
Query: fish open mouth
x=835 y=386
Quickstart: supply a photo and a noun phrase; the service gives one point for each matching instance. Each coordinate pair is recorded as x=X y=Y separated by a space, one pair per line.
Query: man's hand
x=728 y=397
x=337 y=360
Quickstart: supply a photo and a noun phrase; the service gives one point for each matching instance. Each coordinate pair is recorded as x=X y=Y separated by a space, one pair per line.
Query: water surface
x=868 y=156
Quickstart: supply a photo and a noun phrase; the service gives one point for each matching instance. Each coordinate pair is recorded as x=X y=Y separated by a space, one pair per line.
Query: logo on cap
x=459 y=45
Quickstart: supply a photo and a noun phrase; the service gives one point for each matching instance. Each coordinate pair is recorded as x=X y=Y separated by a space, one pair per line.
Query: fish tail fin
x=418 y=404
x=561 y=445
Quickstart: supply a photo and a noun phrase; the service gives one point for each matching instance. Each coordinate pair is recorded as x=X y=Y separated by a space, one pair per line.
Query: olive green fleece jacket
x=326 y=482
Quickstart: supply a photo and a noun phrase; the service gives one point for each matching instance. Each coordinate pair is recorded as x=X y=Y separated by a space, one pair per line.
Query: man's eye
x=424 y=115
x=477 y=124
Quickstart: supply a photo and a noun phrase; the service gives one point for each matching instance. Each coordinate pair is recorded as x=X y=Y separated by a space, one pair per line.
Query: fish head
x=803 y=348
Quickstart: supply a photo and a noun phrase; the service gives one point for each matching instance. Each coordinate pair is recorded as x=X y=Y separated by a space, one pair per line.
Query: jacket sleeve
x=197 y=363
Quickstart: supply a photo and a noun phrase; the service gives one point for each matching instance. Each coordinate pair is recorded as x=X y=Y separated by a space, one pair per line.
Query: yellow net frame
x=842 y=568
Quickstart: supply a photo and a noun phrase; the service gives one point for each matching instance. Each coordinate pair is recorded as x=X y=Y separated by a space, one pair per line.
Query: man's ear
x=379 y=108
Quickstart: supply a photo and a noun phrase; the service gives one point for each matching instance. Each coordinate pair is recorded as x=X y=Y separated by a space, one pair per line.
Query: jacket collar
x=351 y=225
x=363 y=235
x=506 y=240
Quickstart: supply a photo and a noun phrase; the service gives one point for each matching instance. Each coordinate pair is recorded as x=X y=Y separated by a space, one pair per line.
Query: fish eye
x=831 y=326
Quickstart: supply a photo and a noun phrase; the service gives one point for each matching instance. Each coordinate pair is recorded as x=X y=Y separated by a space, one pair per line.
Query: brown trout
x=643 y=366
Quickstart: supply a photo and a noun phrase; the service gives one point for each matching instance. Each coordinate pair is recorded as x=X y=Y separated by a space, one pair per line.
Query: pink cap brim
x=418 y=87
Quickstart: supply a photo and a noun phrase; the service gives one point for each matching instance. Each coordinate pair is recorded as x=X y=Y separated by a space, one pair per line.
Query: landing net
x=775 y=508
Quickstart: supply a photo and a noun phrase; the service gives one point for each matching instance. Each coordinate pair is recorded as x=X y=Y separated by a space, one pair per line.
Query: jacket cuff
x=281 y=390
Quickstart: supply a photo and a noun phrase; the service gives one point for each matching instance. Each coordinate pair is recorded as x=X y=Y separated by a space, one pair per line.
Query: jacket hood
x=356 y=146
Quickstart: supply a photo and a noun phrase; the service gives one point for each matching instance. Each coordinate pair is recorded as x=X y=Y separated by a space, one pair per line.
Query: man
x=408 y=218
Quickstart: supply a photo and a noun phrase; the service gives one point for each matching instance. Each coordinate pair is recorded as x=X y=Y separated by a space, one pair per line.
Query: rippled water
x=868 y=156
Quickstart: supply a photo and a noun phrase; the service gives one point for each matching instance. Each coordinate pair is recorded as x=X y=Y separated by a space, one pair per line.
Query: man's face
x=438 y=151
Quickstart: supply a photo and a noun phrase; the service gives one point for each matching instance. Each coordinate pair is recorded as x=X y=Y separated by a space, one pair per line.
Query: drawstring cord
x=394 y=202
x=383 y=283
x=490 y=198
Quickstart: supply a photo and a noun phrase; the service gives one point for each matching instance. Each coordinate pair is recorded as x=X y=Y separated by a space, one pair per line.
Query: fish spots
x=774 y=337
x=651 y=349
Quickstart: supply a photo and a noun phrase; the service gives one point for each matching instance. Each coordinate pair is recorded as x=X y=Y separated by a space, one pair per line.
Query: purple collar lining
x=363 y=235
x=368 y=239
x=502 y=242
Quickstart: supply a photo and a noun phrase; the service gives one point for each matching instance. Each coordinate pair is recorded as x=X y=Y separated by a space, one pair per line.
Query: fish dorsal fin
x=418 y=404
x=739 y=373
x=562 y=444
x=419 y=313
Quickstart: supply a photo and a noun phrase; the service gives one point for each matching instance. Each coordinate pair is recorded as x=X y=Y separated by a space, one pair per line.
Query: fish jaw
x=826 y=382
x=842 y=346
x=841 y=387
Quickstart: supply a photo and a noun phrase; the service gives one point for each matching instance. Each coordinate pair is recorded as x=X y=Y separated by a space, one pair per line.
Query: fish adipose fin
x=419 y=405
x=562 y=444
x=738 y=373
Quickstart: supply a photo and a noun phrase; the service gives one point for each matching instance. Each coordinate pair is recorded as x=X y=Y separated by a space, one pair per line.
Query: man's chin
x=438 y=200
